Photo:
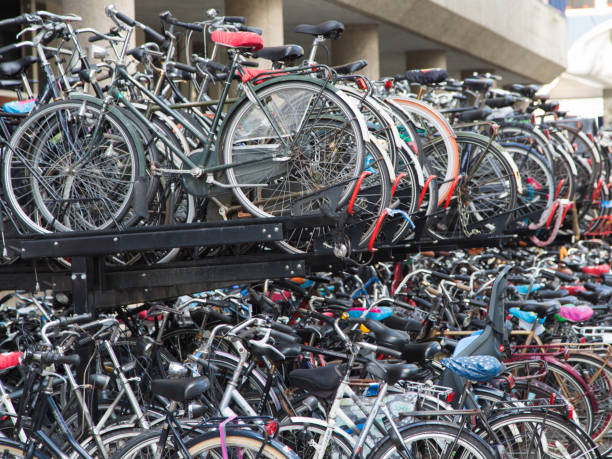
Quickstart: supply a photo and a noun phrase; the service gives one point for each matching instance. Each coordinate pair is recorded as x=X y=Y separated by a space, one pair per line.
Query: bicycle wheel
x=440 y=152
x=406 y=196
x=237 y=444
x=431 y=440
x=536 y=179
x=302 y=436
x=482 y=202
x=540 y=435
x=566 y=382
x=598 y=374
x=60 y=173
x=10 y=449
x=311 y=152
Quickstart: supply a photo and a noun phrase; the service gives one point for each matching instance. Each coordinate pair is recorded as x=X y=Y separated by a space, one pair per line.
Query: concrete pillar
x=426 y=59
x=92 y=12
x=359 y=41
x=607 y=107
x=265 y=14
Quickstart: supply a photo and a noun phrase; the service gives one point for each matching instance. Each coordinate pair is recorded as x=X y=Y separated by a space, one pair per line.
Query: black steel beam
x=100 y=244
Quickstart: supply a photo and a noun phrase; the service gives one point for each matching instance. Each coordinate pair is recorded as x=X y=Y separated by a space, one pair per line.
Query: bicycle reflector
x=271 y=427
x=388 y=84
x=361 y=84
x=450 y=397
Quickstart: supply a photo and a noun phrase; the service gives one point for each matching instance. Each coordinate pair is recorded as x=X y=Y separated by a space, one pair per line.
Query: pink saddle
x=576 y=313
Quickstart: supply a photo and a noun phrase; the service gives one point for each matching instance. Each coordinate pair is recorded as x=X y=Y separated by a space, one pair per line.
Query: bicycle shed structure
x=94 y=285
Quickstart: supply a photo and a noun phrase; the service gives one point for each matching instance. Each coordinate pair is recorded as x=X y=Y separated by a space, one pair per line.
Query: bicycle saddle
x=351 y=67
x=543 y=309
x=386 y=336
x=329 y=29
x=576 y=313
x=500 y=101
x=322 y=381
x=419 y=352
x=10 y=84
x=12 y=68
x=546 y=294
x=179 y=390
x=280 y=53
x=392 y=372
x=477 y=84
x=401 y=323
x=475 y=368
x=425 y=76
x=475 y=115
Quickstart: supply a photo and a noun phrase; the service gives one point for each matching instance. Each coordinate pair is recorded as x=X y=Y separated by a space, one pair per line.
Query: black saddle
x=475 y=115
x=477 y=84
x=399 y=340
x=391 y=373
x=426 y=76
x=322 y=382
x=400 y=323
x=12 y=68
x=420 y=352
x=10 y=84
x=280 y=53
x=351 y=67
x=265 y=350
x=329 y=29
x=542 y=309
x=386 y=336
x=180 y=390
x=500 y=101
x=290 y=351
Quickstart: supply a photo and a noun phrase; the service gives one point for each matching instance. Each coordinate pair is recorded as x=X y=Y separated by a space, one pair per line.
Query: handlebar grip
x=440 y=275
x=95 y=38
x=321 y=317
x=548 y=274
x=185 y=67
x=80 y=318
x=155 y=36
x=256 y=30
x=124 y=18
x=216 y=67
x=565 y=277
x=51 y=357
x=190 y=26
x=239 y=19
x=281 y=328
x=8 y=48
x=14 y=21
x=389 y=351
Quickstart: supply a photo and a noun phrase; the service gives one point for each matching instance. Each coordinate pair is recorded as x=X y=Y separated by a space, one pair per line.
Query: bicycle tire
x=299 y=169
x=522 y=431
x=243 y=440
x=25 y=166
x=429 y=438
x=496 y=196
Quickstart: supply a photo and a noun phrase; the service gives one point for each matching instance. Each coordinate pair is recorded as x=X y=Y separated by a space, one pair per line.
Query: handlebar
x=166 y=16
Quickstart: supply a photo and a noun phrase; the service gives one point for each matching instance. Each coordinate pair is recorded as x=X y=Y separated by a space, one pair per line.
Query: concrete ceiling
x=393 y=41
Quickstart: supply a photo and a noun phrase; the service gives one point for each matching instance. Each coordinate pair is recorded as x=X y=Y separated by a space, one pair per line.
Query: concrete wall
x=526 y=36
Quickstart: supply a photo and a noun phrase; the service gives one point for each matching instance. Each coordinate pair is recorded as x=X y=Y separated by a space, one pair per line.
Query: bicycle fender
x=323 y=425
x=126 y=123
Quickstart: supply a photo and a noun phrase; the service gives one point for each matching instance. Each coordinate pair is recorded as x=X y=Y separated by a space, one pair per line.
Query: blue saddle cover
x=527 y=316
x=476 y=367
x=465 y=342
